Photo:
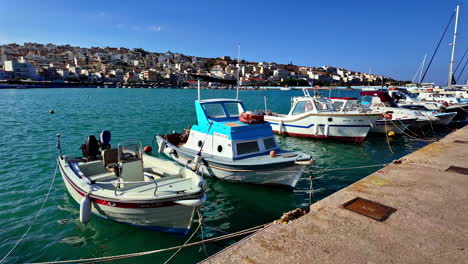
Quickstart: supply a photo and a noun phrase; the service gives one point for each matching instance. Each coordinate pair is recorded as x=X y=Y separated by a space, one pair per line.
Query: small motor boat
x=233 y=144
x=124 y=185
x=315 y=117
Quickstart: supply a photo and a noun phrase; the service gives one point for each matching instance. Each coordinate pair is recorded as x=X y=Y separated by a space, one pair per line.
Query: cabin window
x=233 y=109
x=247 y=147
x=269 y=143
x=300 y=108
x=220 y=148
x=321 y=106
x=338 y=105
x=214 y=110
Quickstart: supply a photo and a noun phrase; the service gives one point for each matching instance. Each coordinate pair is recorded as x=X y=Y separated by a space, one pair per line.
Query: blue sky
x=391 y=37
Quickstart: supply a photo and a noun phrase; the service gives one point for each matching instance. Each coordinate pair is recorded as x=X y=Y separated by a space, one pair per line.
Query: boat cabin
x=220 y=132
x=306 y=104
x=378 y=99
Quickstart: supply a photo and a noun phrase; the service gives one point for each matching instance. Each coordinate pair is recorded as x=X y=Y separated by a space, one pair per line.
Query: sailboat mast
x=238 y=71
x=453 y=48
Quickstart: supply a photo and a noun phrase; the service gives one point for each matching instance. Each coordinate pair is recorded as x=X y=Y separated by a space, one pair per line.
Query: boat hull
x=444 y=118
x=164 y=216
x=282 y=174
x=352 y=128
x=397 y=126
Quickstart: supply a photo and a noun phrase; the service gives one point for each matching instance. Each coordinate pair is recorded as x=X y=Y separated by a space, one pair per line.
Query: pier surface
x=430 y=224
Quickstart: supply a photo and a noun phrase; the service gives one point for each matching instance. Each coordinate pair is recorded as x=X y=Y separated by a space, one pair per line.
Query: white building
x=20 y=69
x=280 y=74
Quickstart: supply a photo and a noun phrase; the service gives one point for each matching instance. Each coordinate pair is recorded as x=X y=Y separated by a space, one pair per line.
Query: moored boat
x=232 y=144
x=385 y=124
x=124 y=185
x=382 y=101
x=315 y=117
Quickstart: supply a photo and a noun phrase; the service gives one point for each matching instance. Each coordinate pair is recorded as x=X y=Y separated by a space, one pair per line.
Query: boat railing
x=117 y=184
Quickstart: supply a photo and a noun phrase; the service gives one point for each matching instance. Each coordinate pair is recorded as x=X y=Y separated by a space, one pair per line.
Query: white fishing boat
x=124 y=185
x=232 y=144
x=385 y=124
x=315 y=117
x=381 y=101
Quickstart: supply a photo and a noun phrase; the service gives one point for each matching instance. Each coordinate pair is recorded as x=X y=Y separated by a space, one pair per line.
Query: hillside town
x=120 y=66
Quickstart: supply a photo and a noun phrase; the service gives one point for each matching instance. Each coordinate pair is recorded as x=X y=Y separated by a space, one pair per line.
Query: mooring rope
x=406 y=134
x=35 y=218
x=387 y=136
x=109 y=258
x=200 y=219
x=345 y=168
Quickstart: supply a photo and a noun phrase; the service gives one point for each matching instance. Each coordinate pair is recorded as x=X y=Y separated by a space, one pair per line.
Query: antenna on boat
x=238 y=70
x=198 y=82
x=457 y=10
x=421 y=72
x=265 y=100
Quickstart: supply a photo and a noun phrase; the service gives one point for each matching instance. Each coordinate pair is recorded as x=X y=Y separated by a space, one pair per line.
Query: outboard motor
x=91 y=148
x=105 y=139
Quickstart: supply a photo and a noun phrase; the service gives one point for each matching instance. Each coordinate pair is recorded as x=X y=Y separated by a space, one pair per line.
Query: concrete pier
x=429 y=223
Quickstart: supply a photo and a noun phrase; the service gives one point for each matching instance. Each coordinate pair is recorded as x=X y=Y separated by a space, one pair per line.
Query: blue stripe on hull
x=311 y=125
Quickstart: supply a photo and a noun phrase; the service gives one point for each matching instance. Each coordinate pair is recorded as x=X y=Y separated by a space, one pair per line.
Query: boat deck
x=165 y=184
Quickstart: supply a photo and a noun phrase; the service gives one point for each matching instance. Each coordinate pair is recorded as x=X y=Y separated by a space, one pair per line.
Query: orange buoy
x=147 y=149
x=273 y=153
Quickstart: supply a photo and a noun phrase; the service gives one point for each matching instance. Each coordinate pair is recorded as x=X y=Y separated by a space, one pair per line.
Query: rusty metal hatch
x=369 y=208
x=457 y=169
x=460 y=141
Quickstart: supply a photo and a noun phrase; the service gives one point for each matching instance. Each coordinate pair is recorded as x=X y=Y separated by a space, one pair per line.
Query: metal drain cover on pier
x=369 y=208
x=457 y=169
x=460 y=141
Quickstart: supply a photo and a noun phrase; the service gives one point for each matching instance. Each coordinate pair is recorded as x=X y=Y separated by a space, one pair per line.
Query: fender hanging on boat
x=192 y=202
x=327 y=129
x=85 y=209
x=162 y=146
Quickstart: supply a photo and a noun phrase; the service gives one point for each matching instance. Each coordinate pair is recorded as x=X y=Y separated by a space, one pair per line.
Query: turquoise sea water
x=28 y=161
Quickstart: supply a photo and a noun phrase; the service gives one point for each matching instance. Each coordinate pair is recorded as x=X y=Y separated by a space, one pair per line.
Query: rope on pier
x=35 y=218
x=138 y=254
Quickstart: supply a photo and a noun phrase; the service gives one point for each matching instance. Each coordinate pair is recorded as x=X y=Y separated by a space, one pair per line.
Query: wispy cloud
x=152 y=28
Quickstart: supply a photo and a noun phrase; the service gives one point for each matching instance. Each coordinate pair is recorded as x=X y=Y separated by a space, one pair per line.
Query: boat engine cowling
x=90 y=148
x=105 y=138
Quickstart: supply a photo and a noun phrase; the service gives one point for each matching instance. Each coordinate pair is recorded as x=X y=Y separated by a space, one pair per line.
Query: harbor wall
x=427 y=221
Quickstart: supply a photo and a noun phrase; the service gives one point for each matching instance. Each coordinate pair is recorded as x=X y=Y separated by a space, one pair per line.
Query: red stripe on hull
x=120 y=204
x=351 y=139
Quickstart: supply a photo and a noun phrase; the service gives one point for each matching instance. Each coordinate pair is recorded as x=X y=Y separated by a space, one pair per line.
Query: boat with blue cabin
x=232 y=144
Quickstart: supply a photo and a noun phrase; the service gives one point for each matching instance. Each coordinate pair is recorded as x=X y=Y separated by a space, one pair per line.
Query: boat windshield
x=233 y=109
x=223 y=110
x=324 y=105
x=129 y=151
x=214 y=110
x=301 y=107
